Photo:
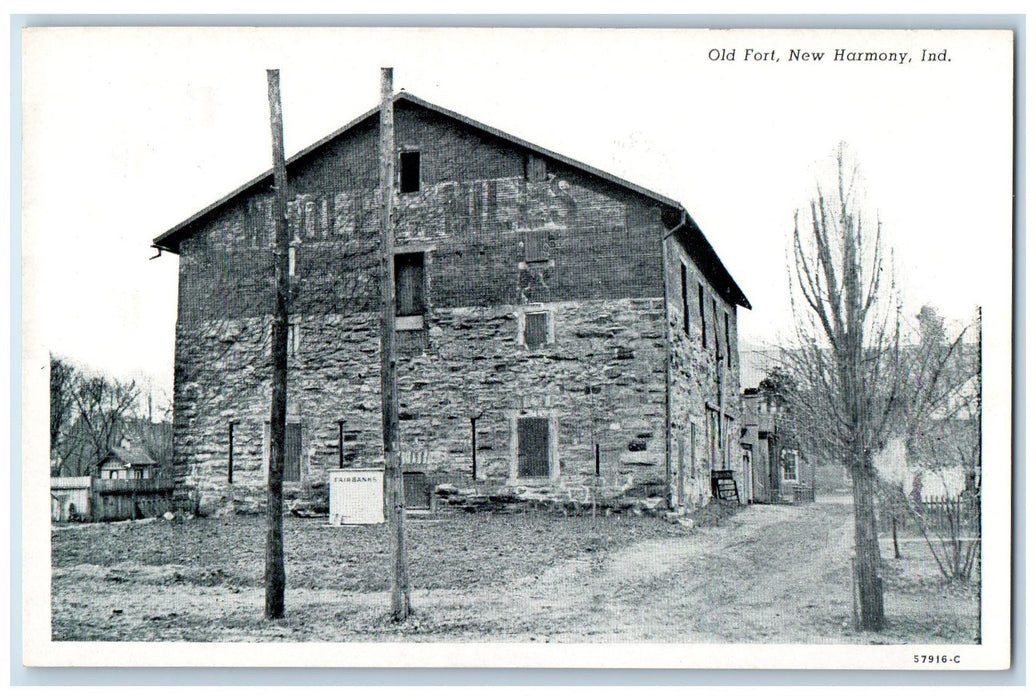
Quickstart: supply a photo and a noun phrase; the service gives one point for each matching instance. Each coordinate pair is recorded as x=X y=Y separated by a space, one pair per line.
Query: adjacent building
x=543 y=308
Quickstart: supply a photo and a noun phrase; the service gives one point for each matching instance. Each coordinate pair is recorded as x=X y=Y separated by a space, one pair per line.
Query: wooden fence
x=129 y=499
x=940 y=512
x=937 y=512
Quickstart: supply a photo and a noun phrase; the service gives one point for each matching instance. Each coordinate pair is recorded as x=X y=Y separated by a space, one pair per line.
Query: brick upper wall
x=471 y=215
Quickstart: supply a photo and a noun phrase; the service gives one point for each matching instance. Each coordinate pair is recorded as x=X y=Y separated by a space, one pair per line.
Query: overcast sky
x=127 y=132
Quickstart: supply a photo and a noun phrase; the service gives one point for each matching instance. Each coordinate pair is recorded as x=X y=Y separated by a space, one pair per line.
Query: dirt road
x=768 y=574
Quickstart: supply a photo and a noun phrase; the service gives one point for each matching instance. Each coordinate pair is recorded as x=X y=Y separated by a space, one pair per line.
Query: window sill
x=533 y=481
x=410 y=323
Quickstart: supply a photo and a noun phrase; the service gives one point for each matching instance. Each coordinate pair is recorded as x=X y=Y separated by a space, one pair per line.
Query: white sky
x=126 y=132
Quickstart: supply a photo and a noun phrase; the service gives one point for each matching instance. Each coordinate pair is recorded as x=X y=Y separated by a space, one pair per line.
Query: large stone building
x=543 y=307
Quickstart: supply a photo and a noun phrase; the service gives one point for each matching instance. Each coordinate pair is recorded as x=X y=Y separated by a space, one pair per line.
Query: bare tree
x=104 y=404
x=847 y=350
x=89 y=413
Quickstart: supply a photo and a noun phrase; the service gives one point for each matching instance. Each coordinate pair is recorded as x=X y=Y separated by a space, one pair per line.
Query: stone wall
x=701 y=382
x=599 y=380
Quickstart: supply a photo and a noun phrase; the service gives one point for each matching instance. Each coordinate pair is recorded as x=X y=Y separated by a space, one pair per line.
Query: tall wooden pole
x=389 y=398
x=279 y=350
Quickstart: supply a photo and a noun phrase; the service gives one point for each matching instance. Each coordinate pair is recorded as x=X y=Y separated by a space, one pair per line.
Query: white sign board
x=357 y=496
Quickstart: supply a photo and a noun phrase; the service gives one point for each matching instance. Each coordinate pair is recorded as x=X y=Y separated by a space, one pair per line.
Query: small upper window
x=409 y=171
x=535 y=329
x=535 y=168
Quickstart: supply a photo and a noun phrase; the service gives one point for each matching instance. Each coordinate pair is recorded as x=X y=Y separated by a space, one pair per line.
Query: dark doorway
x=410 y=284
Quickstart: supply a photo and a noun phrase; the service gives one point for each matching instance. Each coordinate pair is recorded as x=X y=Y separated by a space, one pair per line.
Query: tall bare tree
x=848 y=350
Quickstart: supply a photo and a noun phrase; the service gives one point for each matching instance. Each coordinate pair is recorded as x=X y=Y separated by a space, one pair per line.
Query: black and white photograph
x=517 y=347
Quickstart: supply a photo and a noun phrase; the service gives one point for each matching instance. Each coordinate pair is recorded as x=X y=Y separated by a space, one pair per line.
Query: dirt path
x=747 y=580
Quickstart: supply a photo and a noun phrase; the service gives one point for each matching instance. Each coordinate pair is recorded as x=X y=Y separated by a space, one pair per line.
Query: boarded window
x=410 y=284
x=536 y=246
x=409 y=171
x=292 y=451
x=701 y=314
x=535 y=330
x=535 y=168
x=715 y=448
x=416 y=494
x=715 y=326
x=533 y=447
x=686 y=304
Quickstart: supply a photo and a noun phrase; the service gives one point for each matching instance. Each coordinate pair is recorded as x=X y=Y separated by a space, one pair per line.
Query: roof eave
x=725 y=284
x=162 y=241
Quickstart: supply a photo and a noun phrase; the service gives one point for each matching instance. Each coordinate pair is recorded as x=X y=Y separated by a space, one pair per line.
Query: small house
x=126 y=462
x=771 y=460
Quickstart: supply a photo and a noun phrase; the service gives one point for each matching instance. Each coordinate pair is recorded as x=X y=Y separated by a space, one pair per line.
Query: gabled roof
x=129 y=455
x=711 y=263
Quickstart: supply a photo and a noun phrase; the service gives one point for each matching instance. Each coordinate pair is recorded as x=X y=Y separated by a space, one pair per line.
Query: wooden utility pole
x=389 y=398
x=279 y=350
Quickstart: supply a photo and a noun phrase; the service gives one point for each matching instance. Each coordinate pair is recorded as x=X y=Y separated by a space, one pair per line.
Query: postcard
x=517 y=347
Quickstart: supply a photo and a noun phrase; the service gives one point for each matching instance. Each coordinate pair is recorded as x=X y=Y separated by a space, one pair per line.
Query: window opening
x=701 y=314
x=726 y=337
x=536 y=246
x=410 y=284
x=409 y=171
x=683 y=296
x=535 y=168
